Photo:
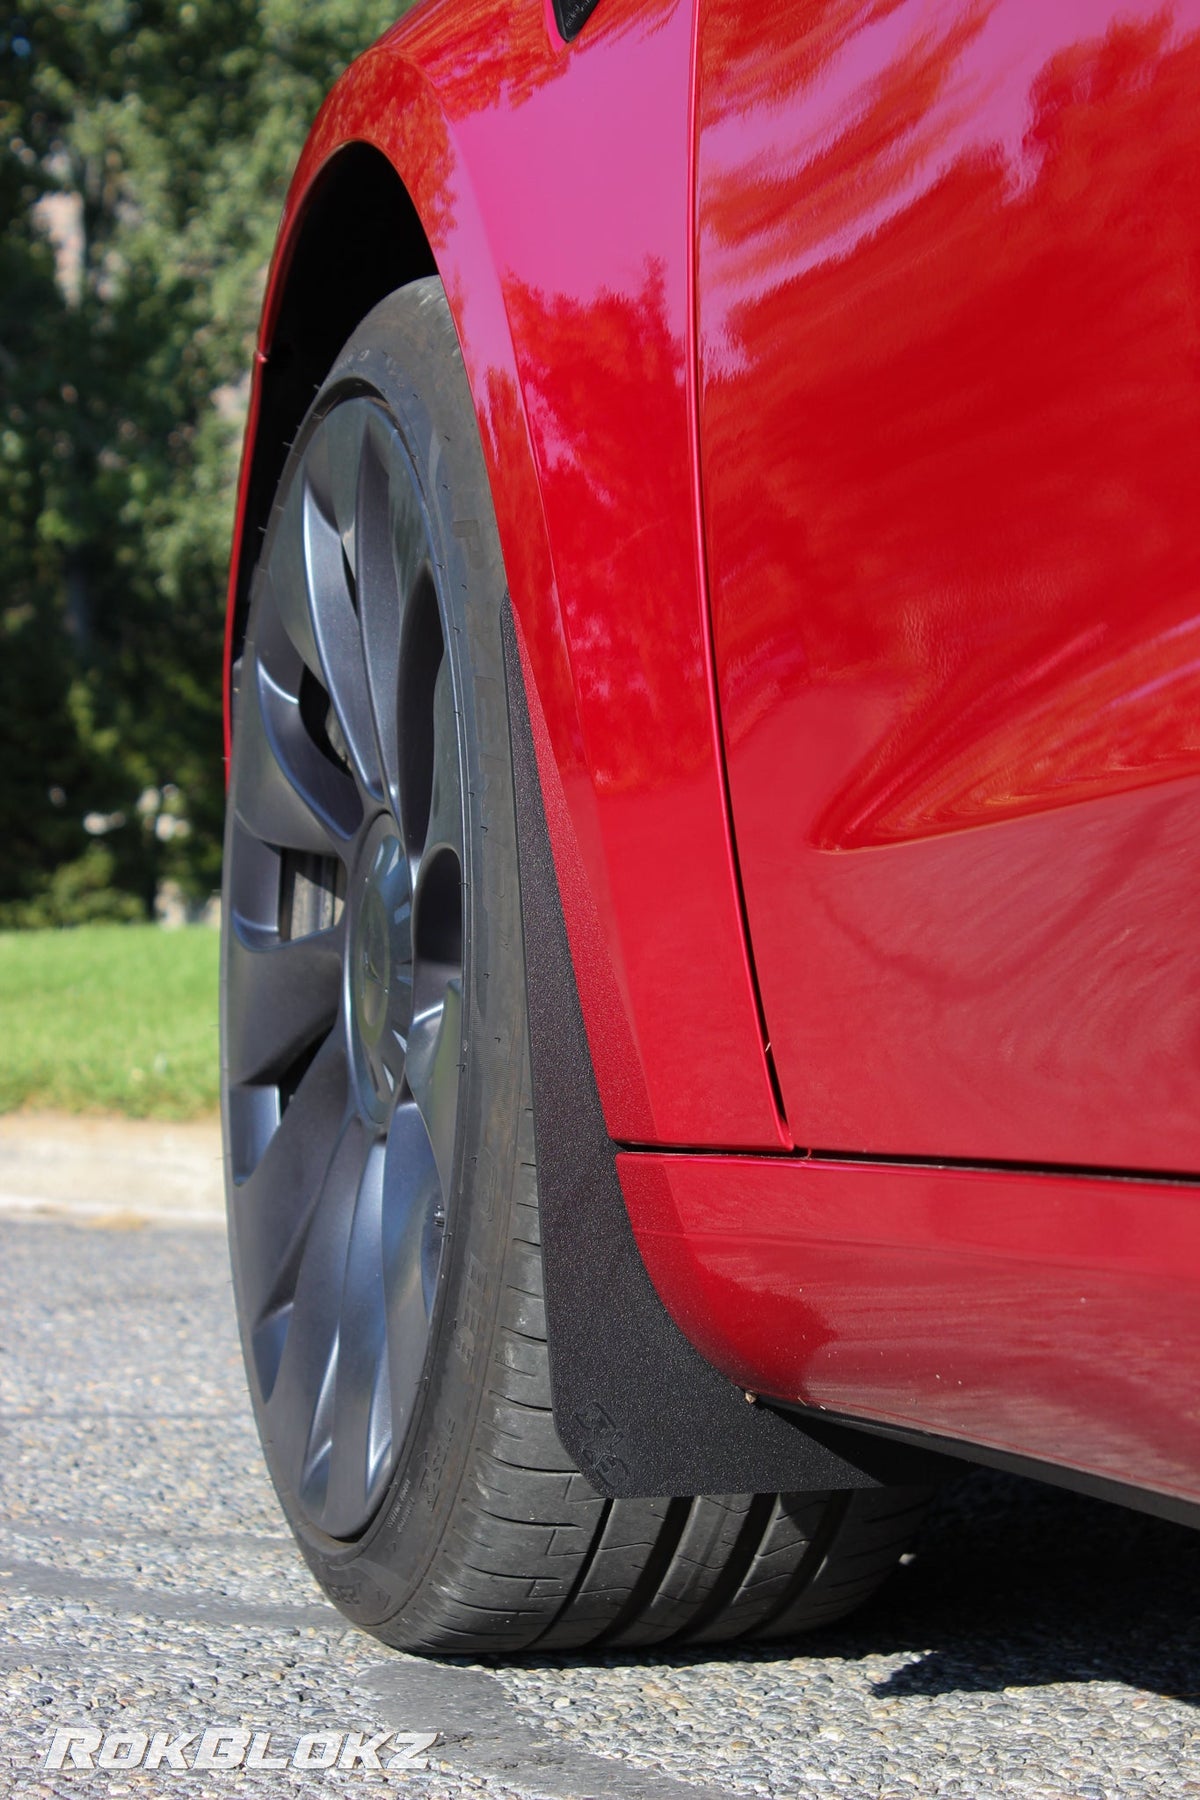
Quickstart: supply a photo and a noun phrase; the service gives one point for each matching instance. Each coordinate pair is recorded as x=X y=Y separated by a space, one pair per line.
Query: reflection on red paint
x=950 y=409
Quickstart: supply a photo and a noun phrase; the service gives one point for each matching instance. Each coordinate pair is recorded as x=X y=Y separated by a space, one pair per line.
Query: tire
x=382 y=1187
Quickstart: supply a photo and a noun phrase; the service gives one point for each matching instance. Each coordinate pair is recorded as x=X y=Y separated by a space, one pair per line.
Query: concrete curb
x=111 y=1171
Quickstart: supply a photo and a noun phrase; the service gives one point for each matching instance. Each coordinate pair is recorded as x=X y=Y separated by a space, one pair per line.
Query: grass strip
x=109 y=1018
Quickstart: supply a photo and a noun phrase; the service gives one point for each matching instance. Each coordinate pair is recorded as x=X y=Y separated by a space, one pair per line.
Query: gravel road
x=1036 y=1644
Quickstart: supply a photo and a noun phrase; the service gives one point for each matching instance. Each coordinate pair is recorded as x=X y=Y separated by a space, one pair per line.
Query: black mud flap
x=635 y=1404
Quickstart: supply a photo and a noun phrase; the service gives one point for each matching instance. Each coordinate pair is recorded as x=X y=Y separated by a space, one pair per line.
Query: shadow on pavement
x=1014 y=1584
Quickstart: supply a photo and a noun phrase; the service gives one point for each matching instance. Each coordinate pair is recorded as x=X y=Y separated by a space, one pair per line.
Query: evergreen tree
x=145 y=147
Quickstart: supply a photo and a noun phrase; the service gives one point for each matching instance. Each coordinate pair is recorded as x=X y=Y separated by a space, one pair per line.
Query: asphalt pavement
x=1035 y=1644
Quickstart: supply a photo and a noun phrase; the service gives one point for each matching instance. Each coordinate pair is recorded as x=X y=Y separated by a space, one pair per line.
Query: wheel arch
x=382 y=196
x=355 y=237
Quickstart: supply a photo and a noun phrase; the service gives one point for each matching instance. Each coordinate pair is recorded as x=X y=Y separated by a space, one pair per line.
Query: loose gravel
x=1035 y=1644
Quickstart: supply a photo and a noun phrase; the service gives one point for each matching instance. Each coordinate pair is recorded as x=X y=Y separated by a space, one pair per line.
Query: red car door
x=948 y=312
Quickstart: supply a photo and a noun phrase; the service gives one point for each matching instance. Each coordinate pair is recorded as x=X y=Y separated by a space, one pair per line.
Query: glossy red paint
x=552 y=182
x=950 y=415
x=1053 y=1317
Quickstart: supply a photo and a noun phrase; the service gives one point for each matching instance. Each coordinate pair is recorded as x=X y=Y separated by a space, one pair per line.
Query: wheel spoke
x=361 y=1422
x=446 y=804
x=399 y=1022
x=390 y=536
x=286 y=577
x=271 y=1210
x=332 y=592
x=283 y=994
x=412 y=1234
x=400 y=994
x=285 y=791
x=334 y=468
x=432 y=1067
x=300 y=1410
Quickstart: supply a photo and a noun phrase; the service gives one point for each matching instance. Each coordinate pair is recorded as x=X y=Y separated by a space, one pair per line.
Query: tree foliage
x=145 y=147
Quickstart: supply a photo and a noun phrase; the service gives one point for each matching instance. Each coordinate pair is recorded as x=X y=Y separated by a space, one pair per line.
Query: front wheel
x=382 y=1186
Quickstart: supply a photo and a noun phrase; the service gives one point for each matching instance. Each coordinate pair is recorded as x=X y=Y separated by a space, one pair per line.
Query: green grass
x=109 y=1018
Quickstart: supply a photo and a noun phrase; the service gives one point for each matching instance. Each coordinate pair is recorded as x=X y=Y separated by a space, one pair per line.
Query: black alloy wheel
x=343 y=964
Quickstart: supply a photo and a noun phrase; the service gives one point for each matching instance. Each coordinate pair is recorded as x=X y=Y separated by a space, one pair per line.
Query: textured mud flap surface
x=635 y=1404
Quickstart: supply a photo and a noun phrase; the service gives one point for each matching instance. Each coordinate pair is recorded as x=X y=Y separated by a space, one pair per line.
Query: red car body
x=838 y=373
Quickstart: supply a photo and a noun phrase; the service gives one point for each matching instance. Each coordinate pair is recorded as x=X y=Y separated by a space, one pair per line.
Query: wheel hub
x=374 y=969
